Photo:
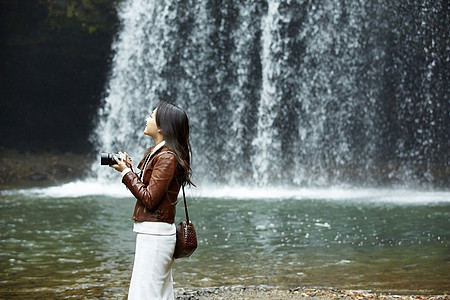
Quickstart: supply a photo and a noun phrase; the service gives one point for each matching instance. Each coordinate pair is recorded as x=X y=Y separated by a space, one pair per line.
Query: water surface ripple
x=83 y=246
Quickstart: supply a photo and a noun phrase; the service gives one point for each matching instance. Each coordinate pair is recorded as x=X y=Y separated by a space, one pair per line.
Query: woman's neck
x=158 y=139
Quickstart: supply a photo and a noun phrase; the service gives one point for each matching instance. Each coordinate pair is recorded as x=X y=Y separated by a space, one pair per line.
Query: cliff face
x=55 y=61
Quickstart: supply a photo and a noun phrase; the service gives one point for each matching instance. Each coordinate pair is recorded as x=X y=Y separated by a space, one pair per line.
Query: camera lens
x=107 y=159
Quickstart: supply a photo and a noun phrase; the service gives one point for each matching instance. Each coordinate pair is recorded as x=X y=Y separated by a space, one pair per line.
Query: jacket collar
x=156 y=148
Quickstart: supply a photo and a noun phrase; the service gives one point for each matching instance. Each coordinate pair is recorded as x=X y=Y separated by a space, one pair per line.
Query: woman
x=164 y=169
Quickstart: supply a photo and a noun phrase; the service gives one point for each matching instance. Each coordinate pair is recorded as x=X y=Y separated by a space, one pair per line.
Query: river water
x=76 y=240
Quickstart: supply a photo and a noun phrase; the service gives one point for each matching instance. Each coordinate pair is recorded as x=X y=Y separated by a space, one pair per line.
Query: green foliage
x=86 y=15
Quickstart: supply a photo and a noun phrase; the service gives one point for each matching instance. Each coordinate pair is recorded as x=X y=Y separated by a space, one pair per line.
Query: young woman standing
x=163 y=170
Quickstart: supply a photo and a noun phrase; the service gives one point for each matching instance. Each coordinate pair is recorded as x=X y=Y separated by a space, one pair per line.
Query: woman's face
x=150 y=128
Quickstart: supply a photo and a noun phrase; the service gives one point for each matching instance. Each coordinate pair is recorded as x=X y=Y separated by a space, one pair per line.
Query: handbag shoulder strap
x=185 y=206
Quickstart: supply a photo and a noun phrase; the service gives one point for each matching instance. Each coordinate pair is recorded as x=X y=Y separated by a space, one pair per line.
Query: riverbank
x=41 y=168
x=264 y=292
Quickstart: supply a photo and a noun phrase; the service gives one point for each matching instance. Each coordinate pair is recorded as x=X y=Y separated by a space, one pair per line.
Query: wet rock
x=38 y=177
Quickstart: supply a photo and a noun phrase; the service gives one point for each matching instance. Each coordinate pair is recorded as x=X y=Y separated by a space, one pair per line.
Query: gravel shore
x=264 y=292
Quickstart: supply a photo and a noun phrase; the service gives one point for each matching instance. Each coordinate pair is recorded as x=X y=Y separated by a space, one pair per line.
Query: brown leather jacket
x=157 y=193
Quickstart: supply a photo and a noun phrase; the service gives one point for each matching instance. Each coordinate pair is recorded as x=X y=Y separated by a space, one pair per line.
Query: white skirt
x=152 y=270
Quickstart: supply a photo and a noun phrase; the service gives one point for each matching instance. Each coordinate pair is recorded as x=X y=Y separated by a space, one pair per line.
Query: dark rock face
x=41 y=168
x=55 y=61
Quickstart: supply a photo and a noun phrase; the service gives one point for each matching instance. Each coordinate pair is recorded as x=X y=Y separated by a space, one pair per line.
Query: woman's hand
x=122 y=164
x=126 y=160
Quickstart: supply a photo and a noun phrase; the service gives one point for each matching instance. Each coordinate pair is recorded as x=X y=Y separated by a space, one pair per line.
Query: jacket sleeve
x=162 y=175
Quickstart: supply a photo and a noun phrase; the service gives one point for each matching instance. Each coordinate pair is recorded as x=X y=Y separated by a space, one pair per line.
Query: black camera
x=108 y=159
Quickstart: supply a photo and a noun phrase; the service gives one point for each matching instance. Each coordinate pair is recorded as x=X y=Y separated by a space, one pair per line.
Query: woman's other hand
x=127 y=160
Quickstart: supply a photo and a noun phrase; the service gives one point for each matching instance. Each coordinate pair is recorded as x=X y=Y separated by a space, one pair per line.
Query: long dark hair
x=174 y=125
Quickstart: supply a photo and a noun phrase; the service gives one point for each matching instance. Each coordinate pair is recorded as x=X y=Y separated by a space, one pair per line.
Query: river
x=76 y=240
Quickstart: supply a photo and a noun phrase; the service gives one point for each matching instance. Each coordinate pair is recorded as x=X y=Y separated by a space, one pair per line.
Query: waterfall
x=281 y=92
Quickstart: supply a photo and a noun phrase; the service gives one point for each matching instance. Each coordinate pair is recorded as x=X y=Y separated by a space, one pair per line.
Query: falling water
x=288 y=92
